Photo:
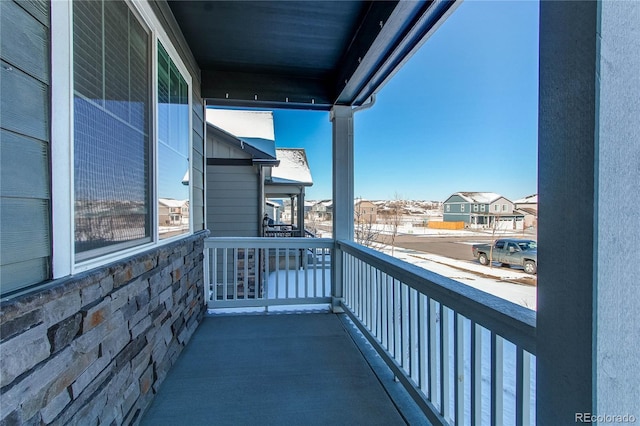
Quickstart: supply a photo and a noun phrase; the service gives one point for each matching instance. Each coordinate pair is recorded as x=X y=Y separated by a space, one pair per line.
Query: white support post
x=301 y=212
x=342 y=121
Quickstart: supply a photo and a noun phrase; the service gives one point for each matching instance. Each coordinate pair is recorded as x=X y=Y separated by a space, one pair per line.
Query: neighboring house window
x=504 y=207
x=461 y=207
x=475 y=207
x=111 y=107
x=495 y=207
x=173 y=141
x=481 y=207
x=448 y=208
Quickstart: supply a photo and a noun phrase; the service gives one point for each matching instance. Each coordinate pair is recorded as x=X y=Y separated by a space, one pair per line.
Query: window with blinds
x=173 y=148
x=112 y=166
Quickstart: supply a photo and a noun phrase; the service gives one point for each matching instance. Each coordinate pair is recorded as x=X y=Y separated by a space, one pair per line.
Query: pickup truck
x=509 y=251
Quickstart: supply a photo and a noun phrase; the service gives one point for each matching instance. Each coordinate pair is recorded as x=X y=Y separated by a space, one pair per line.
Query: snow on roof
x=252 y=128
x=243 y=124
x=479 y=197
x=362 y=200
x=293 y=167
x=326 y=203
x=529 y=199
x=170 y=202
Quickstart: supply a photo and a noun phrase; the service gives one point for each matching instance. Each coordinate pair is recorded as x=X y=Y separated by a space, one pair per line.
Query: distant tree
x=311 y=223
x=394 y=219
x=365 y=232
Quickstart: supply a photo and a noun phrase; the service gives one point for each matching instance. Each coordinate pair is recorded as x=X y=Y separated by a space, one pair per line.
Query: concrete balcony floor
x=277 y=369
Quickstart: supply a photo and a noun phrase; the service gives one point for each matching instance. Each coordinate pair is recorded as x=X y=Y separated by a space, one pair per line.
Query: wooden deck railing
x=263 y=272
x=465 y=356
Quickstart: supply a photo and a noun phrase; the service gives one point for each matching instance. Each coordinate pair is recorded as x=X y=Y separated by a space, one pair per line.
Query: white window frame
x=62 y=142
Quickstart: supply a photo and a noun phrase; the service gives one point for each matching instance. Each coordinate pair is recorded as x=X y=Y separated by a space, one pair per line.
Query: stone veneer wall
x=93 y=348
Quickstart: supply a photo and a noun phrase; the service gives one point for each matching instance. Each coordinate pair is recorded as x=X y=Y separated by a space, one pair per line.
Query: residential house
x=237 y=164
x=529 y=207
x=322 y=210
x=482 y=210
x=244 y=169
x=289 y=180
x=103 y=110
x=365 y=211
x=173 y=212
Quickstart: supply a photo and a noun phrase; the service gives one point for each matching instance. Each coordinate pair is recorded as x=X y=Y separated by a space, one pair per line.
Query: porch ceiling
x=301 y=54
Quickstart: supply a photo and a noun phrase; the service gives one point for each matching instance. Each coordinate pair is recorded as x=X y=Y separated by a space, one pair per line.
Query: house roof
x=170 y=202
x=251 y=131
x=293 y=168
x=529 y=199
x=478 y=197
x=300 y=54
x=326 y=203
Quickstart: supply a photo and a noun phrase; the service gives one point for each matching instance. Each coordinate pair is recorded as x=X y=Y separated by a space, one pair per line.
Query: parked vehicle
x=509 y=251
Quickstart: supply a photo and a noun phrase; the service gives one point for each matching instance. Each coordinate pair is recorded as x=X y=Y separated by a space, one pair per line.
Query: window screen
x=173 y=148
x=112 y=183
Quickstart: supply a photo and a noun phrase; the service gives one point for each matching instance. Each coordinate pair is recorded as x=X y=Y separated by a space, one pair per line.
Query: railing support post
x=342 y=123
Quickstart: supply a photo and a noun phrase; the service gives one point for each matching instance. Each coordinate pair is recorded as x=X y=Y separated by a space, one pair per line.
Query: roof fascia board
x=408 y=27
x=261 y=90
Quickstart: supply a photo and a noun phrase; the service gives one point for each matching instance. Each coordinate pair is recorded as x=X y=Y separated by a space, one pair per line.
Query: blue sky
x=461 y=115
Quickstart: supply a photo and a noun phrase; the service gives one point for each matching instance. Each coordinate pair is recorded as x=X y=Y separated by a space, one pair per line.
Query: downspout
x=372 y=102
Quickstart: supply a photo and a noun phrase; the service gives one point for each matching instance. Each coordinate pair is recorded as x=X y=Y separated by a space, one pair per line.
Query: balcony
x=461 y=355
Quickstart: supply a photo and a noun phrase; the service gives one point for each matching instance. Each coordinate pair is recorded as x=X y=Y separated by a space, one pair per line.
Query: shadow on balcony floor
x=274 y=370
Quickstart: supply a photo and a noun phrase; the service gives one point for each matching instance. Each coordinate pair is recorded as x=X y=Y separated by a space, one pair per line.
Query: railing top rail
x=511 y=321
x=268 y=242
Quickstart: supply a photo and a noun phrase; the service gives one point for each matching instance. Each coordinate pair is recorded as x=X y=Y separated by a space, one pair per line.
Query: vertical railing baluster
x=413 y=335
x=286 y=273
x=390 y=323
x=372 y=298
x=224 y=274
x=397 y=323
x=423 y=345
x=361 y=284
x=367 y=296
x=379 y=289
x=458 y=368
x=404 y=326
x=276 y=272
x=434 y=325
x=235 y=273
x=476 y=374
x=297 y=252
x=315 y=273
x=212 y=273
x=523 y=387
x=445 y=382
x=305 y=269
x=497 y=383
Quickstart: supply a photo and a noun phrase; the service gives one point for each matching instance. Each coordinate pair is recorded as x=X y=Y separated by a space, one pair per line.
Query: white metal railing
x=467 y=357
x=262 y=272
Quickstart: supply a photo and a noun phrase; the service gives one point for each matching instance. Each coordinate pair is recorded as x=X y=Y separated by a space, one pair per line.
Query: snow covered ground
x=495 y=280
x=501 y=282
